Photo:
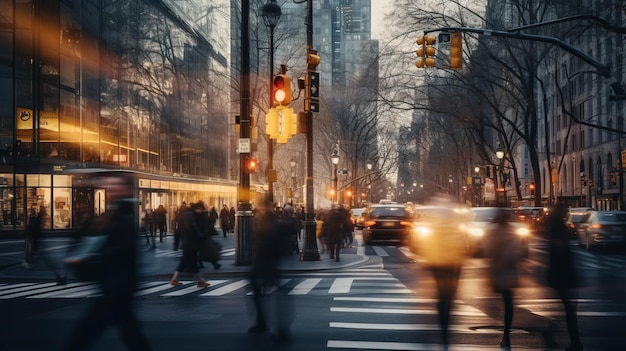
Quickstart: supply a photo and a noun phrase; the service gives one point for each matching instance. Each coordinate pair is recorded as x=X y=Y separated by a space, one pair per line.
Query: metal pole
x=270 y=141
x=243 y=220
x=310 y=251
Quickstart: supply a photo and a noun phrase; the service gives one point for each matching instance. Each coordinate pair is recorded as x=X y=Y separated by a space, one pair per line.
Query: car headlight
x=476 y=232
x=422 y=232
x=522 y=231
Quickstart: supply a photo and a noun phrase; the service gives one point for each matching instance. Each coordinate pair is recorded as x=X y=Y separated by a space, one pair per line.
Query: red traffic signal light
x=281 y=89
x=251 y=164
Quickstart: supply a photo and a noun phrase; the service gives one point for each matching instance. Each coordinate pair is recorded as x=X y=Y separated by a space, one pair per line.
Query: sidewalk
x=161 y=263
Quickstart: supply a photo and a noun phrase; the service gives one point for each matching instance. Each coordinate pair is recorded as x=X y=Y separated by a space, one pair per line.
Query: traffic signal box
x=281 y=90
x=312 y=94
x=426 y=51
x=456 y=50
x=251 y=164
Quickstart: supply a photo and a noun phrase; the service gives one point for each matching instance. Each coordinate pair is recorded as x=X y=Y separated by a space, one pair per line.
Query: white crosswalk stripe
x=356 y=281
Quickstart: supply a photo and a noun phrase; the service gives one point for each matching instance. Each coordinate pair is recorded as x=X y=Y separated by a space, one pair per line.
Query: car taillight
x=406 y=223
x=596 y=226
x=369 y=223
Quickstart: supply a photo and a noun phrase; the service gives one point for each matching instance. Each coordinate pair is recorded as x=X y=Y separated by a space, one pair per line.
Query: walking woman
x=191 y=237
x=504 y=250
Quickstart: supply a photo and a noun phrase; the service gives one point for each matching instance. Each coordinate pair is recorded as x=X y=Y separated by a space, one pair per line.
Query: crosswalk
x=356 y=281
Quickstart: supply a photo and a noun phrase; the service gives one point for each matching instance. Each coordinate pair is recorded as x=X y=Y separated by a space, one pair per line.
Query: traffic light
x=312 y=60
x=456 y=50
x=426 y=51
x=531 y=187
x=251 y=164
x=281 y=89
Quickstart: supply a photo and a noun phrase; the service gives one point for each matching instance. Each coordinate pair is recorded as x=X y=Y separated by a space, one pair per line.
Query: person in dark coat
x=334 y=230
x=160 y=220
x=562 y=276
x=119 y=278
x=504 y=250
x=225 y=220
x=269 y=245
x=191 y=236
x=231 y=219
x=33 y=244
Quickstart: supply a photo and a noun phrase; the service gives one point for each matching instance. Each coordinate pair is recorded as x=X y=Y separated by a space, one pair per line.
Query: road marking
x=305 y=286
x=341 y=286
x=68 y=290
x=192 y=288
x=45 y=288
x=9 y=288
x=402 y=346
x=157 y=289
x=380 y=251
x=419 y=327
x=384 y=299
x=461 y=311
x=227 y=288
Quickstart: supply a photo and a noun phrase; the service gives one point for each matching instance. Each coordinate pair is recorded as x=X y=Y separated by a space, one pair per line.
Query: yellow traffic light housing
x=456 y=50
x=312 y=60
x=281 y=90
x=426 y=51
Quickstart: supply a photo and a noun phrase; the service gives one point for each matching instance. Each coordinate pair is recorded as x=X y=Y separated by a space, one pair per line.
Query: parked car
x=429 y=221
x=575 y=216
x=388 y=222
x=482 y=220
x=602 y=228
x=356 y=215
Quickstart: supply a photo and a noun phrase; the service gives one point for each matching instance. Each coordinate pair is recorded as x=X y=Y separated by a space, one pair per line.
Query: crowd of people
x=276 y=233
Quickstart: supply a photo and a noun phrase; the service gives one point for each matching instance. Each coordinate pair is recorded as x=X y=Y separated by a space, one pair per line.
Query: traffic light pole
x=309 y=251
x=243 y=218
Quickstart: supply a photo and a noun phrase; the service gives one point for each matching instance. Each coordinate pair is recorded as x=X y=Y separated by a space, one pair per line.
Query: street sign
x=244 y=146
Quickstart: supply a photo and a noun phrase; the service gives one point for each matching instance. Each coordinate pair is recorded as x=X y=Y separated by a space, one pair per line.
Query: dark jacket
x=561 y=269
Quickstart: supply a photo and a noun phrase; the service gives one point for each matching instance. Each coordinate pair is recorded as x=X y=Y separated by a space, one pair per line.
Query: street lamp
x=334 y=158
x=271 y=15
x=500 y=156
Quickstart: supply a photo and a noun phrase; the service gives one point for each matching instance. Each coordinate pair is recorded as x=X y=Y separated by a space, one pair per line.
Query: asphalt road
x=381 y=298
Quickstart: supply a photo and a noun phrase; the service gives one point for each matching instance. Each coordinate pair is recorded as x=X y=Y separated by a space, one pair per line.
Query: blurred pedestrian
x=231 y=219
x=176 y=225
x=269 y=248
x=213 y=216
x=504 y=250
x=191 y=237
x=33 y=247
x=160 y=220
x=114 y=306
x=334 y=230
x=288 y=228
x=319 y=232
x=225 y=220
x=147 y=223
x=444 y=253
x=203 y=221
x=562 y=276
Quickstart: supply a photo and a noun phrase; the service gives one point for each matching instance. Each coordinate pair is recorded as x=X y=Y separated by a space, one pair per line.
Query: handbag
x=210 y=250
x=87 y=260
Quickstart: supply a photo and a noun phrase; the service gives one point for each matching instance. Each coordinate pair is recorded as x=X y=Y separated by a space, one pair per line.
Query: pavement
x=161 y=261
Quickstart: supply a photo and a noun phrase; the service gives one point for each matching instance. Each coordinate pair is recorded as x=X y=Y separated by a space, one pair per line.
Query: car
x=575 y=216
x=386 y=222
x=482 y=220
x=356 y=215
x=602 y=228
x=534 y=217
x=438 y=220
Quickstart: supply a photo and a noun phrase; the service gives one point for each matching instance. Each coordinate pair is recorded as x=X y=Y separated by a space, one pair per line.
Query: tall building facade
x=133 y=85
